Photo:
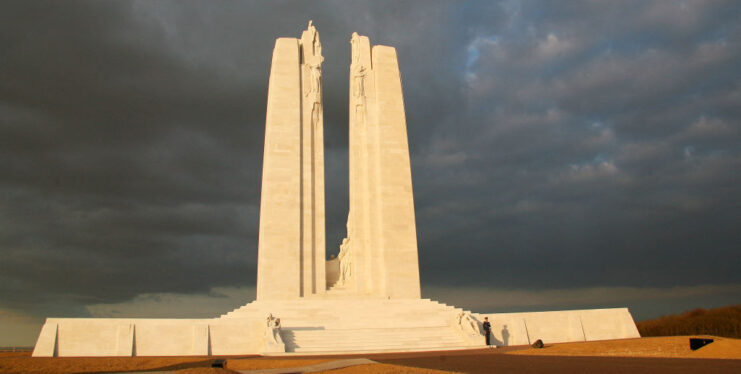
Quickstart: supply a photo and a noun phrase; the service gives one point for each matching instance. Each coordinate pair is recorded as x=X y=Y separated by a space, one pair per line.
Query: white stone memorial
x=367 y=299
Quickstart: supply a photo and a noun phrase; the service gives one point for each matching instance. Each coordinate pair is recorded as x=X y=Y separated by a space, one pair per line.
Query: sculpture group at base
x=273 y=340
x=368 y=299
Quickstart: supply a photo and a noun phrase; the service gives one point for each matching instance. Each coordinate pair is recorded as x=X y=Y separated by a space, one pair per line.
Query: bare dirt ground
x=385 y=369
x=524 y=364
x=270 y=363
x=645 y=355
x=668 y=346
x=24 y=363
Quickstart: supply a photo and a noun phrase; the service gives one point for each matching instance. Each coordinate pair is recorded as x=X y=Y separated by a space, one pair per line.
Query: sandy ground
x=269 y=363
x=205 y=371
x=23 y=363
x=526 y=364
x=645 y=355
x=669 y=346
x=385 y=369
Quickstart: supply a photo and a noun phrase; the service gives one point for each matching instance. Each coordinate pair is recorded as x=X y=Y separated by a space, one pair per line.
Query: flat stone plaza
x=368 y=298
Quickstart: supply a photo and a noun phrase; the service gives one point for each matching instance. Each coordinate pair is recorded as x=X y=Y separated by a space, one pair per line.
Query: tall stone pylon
x=291 y=244
x=379 y=257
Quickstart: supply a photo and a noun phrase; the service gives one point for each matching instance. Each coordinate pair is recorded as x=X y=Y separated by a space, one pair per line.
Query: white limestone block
x=278 y=263
x=46 y=344
x=604 y=324
x=238 y=337
x=398 y=228
x=125 y=341
x=164 y=337
x=554 y=327
x=201 y=340
x=312 y=165
x=291 y=247
x=507 y=329
x=561 y=326
x=381 y=224
x=88 y=337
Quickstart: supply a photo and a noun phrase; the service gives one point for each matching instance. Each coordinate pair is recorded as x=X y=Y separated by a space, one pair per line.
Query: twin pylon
x=378 y=258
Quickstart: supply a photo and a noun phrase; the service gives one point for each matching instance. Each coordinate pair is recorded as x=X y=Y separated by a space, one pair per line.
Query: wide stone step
x=369 y=336
x=344 y=306
x=372 y=344
x=342 y=302
x=375 y=342
x=376 y=316
x=364 y=330
x=337 y=310
x=378 y=325
x=379 y=343
x=385 y=348
x=375 y=339
x=339 y=325
x=347 y=312
x=371 y=341
x=379 y=339
x=341 y=311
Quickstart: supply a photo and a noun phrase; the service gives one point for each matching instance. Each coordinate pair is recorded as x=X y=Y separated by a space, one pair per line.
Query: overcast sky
x=564 y=154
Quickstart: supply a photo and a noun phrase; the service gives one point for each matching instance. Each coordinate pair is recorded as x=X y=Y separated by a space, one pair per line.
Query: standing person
x=487 y=330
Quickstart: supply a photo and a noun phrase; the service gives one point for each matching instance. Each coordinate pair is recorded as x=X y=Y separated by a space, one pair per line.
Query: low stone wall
x=560 y=326
x=323 y=326
x=69 y=337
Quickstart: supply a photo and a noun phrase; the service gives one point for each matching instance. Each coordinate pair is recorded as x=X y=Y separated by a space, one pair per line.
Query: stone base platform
x=320 y=326
x=362 y=325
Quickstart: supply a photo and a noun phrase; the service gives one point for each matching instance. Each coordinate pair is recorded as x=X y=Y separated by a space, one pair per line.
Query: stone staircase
x=326 y=325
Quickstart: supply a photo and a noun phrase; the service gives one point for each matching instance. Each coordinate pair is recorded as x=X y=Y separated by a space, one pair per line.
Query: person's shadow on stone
x=505 y=335
x=494 y=341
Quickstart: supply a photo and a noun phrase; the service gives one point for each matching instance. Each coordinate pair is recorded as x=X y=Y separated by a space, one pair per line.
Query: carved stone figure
x=314 y=62
x=276 y=331
x=315 y=68
x=467 y=324
x=272 y=331
x=315 y=110
x=345 y=258
x=355 y=43
x=359 y=74
x=316 y=43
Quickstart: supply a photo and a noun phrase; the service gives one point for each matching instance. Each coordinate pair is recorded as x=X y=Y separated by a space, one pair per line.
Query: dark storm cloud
x=116 y=147
x=553 y=145
x=607 y=141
